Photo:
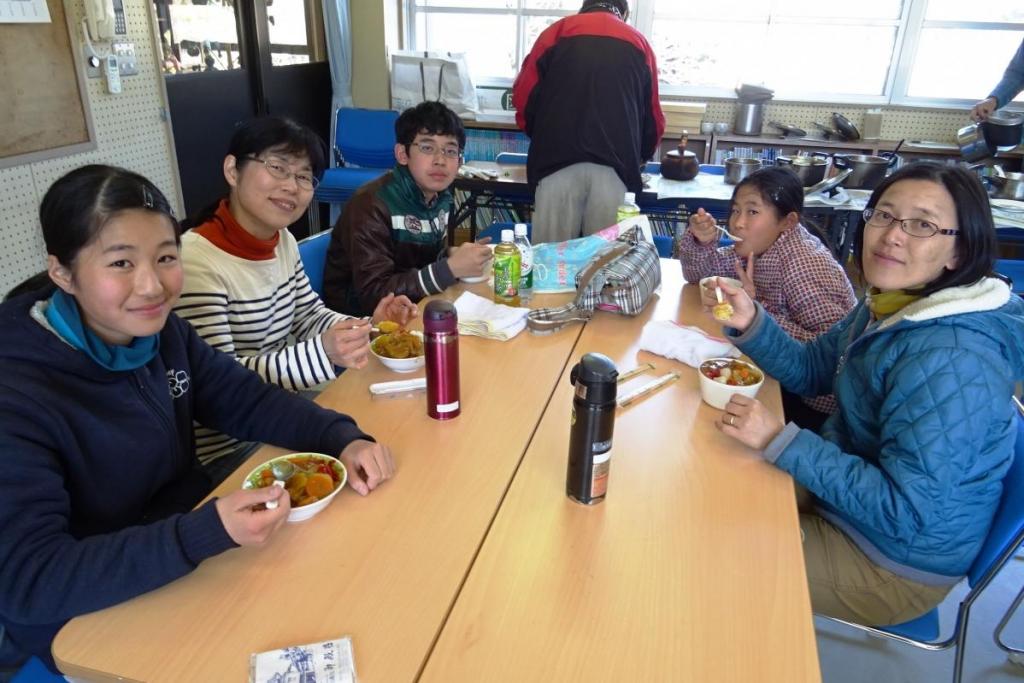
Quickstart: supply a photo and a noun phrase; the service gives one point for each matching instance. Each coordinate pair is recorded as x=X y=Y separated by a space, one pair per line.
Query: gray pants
x=579 y=199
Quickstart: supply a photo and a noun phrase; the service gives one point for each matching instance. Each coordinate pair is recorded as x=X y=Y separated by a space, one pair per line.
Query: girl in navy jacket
x=100 y=387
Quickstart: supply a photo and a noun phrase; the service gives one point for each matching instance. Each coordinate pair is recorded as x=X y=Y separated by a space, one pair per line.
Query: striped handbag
x=620 y=279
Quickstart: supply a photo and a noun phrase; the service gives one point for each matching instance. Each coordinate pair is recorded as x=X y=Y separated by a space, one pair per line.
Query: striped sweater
x=263 y=312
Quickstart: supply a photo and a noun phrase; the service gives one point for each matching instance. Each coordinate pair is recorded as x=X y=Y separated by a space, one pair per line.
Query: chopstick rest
x=398 y=386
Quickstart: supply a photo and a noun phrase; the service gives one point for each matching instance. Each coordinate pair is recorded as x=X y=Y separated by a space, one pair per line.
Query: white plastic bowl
x=717 y=394
x=299 y=514
x=400 y=364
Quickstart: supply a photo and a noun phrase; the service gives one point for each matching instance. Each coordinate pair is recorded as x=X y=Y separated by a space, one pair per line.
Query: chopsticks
x=647 y=389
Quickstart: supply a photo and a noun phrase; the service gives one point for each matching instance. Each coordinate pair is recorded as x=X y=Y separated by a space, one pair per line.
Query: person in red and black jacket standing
x=587 y=95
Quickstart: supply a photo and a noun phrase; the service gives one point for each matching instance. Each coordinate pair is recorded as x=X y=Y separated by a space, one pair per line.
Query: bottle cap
x=597 y=373
x=507 y=235
x=440 y=317
x=521 y=230
x=630 y=198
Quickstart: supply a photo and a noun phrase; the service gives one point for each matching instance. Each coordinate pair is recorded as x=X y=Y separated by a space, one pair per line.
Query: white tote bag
x=433 y=76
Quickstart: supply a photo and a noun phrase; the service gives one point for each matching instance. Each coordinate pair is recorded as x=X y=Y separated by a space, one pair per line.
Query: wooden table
x=690 y=570
x=383 y=569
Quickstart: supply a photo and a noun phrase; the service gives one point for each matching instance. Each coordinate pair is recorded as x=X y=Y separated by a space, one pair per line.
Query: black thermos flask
x=593 y=421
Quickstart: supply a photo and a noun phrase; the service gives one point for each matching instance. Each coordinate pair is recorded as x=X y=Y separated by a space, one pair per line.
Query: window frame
x=909 y=27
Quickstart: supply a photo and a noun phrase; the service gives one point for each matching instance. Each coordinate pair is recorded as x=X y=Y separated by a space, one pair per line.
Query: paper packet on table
x=330 y=661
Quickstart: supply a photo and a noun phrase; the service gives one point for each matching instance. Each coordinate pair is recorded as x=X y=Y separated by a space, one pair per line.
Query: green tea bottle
x=507 y=260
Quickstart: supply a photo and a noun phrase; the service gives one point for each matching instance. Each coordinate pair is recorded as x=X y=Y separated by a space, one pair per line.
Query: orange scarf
x=228 y=234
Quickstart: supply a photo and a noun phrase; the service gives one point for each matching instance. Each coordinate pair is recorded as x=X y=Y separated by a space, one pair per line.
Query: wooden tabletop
x=690 y=570
x=383 y=569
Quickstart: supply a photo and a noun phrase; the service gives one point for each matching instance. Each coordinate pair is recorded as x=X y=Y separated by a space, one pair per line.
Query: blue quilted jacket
x=911 y=465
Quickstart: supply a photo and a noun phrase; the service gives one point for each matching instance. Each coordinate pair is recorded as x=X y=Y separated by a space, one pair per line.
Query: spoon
x=282 y=471
x=728 y=234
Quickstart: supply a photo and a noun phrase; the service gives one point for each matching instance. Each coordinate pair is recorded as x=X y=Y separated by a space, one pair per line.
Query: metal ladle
x=282 y=471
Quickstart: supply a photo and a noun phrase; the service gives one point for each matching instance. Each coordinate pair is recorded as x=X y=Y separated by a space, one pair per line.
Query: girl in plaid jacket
x=780 y=264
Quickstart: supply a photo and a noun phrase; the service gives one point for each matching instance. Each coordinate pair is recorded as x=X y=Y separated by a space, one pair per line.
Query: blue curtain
x=338 y=27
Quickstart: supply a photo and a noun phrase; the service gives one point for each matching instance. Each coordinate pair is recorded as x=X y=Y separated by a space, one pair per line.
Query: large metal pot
x=809 y=168
x=748 y=119
x=868 y=170
x=973 y=145
x=1003 y=130
x=738 y=169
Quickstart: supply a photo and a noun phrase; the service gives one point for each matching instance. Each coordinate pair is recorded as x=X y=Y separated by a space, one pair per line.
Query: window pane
x=489 y=41
x=707 y=53
x=793 y=63
x=468 y=4
x=990 y=10
x=862 y=9
x=198 y=38
x=724 y=9
x=533 y=27
x=568 y=5
x=289 y=38
x=961 y=63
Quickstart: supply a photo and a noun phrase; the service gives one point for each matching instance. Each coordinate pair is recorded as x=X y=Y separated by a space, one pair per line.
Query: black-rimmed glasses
x=915 y=227
x=278 y=169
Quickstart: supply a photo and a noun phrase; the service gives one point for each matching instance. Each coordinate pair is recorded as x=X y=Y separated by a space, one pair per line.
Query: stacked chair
x=363 y=149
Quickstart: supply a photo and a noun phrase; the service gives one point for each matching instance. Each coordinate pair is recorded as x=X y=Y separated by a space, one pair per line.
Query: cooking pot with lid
x=868 y=170
x=680 y=164
x=1003 y=129
x=809 y=168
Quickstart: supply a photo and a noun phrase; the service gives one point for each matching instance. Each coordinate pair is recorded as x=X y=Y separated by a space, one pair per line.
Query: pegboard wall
x=936 y=125
x=130 y=132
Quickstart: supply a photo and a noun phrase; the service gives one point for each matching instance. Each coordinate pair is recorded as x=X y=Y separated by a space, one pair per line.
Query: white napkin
x=483 y=318
x=690 y=345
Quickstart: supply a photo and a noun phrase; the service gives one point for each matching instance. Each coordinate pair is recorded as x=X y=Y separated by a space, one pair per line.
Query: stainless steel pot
x=738 y=169
x=810 y=169
x=868 y=170
x=748 y=119
x=1010 y=186
x=1003 y=130
x=973 y=145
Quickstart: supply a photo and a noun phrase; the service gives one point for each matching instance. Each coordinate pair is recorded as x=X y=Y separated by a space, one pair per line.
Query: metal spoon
x=282 y=471
x=728 y=234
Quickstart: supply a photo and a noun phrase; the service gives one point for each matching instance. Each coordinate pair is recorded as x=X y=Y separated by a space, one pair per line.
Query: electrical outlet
x=126 y=61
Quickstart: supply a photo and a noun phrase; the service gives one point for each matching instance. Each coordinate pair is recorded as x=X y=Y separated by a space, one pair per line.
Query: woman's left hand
x=749 y=422
x=369 y=465
x=396 y=308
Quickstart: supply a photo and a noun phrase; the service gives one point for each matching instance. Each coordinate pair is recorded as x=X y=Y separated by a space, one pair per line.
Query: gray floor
x=848 y=656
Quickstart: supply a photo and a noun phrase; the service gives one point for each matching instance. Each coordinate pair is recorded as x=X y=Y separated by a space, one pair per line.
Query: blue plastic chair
x=494 y=231
x=1013 y=269
x=313 y=252
x=364 y=150
x=1003 y=539
x=511 y=158
x=34 y=671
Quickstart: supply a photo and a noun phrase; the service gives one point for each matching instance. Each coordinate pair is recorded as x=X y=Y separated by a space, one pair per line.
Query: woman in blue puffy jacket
x=907 y=475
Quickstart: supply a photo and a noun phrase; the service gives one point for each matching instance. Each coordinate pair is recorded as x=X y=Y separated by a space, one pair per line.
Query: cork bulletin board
x=43 y=110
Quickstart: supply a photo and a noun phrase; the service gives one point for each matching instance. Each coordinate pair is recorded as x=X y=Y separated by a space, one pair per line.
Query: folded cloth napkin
x=483 y=318
x=690 y=345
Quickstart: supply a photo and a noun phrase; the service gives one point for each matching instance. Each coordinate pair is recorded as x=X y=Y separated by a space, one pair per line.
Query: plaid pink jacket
x=797 y=281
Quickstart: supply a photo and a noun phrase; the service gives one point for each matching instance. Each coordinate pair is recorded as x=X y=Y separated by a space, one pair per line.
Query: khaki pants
x=845 y=584
x=582 y=197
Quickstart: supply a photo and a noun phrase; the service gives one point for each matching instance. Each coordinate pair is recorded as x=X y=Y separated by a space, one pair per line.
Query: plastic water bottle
x=627 y=209
x=525 y=263
x=506 y=270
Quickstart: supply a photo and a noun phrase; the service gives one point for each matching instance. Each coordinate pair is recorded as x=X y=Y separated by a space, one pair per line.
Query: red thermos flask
x=441 y=348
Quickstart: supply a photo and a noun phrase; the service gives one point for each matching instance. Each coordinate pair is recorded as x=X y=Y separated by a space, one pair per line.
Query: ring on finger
x=731 y=420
